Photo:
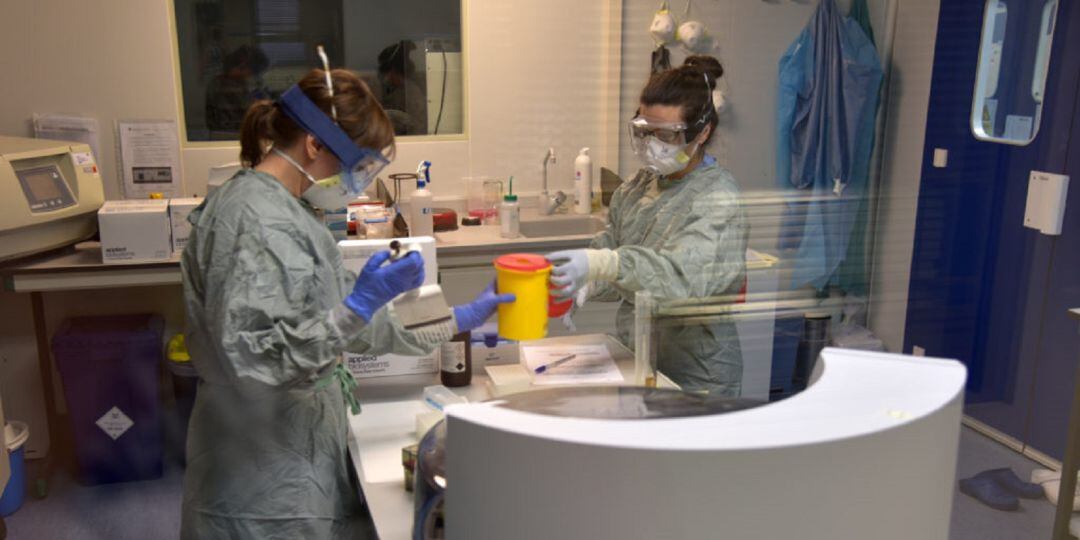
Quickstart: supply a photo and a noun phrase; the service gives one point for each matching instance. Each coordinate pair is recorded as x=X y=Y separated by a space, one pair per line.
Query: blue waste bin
x=110 y=368
x=15 y=492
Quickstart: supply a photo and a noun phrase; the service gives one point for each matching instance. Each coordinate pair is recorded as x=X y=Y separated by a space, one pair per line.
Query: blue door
x=983 y=288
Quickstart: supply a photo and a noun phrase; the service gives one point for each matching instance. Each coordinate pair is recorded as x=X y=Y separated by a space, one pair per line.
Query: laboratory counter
x=81 y=266
x=387 y=423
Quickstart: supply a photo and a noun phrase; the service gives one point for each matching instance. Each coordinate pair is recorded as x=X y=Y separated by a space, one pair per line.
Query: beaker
x=483 y=196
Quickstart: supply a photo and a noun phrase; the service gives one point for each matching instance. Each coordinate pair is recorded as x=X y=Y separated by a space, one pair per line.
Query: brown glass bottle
x=455 y=360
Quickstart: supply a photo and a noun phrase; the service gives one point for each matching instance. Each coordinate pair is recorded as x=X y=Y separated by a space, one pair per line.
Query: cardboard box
x=366 y=366
x=181 y=229
x=135 y=231
x=354 y=254
x=502 y=353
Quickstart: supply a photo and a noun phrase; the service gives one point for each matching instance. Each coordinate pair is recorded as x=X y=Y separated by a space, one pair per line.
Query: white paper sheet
x=591 y=365
x=149 y=158
x=69 y=128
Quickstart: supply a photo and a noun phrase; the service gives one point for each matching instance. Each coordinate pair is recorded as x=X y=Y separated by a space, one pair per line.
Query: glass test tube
x=644 y=344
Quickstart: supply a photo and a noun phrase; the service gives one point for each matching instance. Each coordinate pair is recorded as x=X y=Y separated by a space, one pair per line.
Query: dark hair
x=690 y=87
x=395 y=58
x=246 y=56
x=358 y=113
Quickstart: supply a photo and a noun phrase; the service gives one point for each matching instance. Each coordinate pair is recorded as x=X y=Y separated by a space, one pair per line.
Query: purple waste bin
x=110 y=367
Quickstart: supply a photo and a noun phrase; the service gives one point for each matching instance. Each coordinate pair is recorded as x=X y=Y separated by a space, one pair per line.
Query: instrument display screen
x=45 y=188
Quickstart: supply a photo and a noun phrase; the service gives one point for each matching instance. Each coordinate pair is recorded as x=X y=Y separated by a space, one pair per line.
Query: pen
x=556 y=363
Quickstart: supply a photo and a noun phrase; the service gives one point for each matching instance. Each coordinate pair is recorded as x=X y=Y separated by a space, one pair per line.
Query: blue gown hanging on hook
x=853 y=275
x=828 y=95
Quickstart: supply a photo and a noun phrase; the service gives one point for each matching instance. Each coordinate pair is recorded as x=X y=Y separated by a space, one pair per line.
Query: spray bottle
x=421 y=222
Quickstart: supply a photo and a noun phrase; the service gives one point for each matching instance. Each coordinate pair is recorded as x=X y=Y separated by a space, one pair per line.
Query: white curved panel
x=869 y=450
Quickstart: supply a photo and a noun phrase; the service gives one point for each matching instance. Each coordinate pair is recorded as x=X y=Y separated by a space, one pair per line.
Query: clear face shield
x=359 y=165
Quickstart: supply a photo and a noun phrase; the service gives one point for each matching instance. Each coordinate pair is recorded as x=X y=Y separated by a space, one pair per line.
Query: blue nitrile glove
x=473 y=314
x=377 y=284
x=576 y=267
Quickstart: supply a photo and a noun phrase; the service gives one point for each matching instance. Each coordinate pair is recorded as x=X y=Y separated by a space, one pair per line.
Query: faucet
x=548 y=203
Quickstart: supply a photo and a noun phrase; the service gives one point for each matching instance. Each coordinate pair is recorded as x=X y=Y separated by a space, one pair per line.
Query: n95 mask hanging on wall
x=695 y=38
x=663 y=26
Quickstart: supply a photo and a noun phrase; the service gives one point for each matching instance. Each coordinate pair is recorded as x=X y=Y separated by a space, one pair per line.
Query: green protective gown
x=681 y=239
x=263 y=288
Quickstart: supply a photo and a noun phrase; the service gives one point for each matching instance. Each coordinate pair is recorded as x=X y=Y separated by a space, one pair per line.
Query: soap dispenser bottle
x=583 y=183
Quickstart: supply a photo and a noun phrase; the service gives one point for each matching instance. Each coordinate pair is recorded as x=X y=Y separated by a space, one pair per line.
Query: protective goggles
x=665 y=132
x=672 y=133
x=359 y=165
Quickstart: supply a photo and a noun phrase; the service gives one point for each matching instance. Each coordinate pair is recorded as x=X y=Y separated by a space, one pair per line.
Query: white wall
x=909 y=100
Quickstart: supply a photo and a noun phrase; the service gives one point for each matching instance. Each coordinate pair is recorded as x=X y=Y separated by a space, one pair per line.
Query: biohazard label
x=115 y=423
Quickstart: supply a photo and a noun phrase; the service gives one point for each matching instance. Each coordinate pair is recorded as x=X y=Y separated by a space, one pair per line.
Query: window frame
x=978 y=97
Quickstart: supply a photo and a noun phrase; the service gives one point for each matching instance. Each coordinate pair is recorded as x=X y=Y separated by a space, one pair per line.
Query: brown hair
x=690 y=87
x=358 y=113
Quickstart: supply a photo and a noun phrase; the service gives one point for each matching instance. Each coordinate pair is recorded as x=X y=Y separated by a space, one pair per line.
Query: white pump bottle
x=583 y=187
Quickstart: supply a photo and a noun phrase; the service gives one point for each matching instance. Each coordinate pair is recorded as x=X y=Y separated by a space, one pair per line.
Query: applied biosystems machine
x=50 y=192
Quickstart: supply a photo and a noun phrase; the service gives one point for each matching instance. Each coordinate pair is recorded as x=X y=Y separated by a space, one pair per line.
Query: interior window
x=231 y=53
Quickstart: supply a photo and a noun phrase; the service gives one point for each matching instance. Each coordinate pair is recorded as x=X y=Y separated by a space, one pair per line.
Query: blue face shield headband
x=359 y=166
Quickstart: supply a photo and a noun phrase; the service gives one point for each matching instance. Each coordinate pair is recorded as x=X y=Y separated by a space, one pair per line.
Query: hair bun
x=706 y=64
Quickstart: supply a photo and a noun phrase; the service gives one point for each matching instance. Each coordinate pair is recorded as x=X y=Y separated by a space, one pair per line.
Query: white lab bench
x=387 y=423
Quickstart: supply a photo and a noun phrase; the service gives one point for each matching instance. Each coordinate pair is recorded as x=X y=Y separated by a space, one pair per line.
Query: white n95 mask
x=330 y=193
x=694 y=38
x=663 y=26
x=664 y=158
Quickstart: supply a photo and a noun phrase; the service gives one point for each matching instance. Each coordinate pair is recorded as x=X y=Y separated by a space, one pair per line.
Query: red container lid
x=522 y=262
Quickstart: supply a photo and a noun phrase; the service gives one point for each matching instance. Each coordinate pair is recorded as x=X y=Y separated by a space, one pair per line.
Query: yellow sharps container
x=526 y=276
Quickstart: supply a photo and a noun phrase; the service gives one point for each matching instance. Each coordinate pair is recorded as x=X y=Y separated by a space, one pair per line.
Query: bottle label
x=452 y=357
x=509 y=222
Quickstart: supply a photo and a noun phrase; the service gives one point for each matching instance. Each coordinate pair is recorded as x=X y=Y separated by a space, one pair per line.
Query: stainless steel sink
x=561 y=225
